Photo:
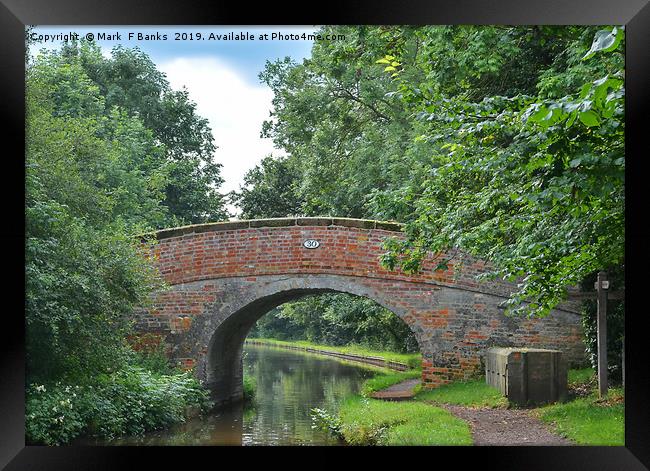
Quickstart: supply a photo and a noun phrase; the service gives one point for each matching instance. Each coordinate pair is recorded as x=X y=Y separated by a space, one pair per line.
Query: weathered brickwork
x=225 y=276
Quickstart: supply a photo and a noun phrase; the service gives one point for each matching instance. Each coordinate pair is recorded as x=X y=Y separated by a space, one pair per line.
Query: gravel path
x=508 y=427
x=399 y=391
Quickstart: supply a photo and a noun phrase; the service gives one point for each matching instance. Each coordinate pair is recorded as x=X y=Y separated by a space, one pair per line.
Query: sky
x=221 y=76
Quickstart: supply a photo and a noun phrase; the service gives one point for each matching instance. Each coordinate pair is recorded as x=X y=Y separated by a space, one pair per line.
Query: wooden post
x=601 y=286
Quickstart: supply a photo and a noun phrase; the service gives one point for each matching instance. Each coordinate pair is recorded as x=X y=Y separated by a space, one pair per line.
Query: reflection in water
x=289 y=385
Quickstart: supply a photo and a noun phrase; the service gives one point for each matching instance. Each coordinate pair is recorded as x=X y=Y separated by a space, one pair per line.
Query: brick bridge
x=223 y=277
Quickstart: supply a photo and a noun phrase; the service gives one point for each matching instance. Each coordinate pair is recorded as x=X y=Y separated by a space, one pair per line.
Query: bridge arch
x=222 y=363
x=225 y=276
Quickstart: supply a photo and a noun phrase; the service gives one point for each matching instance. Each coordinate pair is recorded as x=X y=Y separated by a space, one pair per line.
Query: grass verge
x=366 y=421
x=580 y=376
x=474 y=393
x=589 y=420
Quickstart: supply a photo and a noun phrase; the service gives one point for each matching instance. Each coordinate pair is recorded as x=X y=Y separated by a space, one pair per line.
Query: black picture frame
x=16 y=14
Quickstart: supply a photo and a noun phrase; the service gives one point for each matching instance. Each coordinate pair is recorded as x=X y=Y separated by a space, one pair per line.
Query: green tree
x=345 y=139
x=338 y=319
x=95 y=177
x=130 y=81
x=532 y=183
x=88 y=190
x=270 y=190
x=504 y=141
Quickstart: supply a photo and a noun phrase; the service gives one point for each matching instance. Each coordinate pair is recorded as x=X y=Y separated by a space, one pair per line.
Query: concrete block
x=527 y=376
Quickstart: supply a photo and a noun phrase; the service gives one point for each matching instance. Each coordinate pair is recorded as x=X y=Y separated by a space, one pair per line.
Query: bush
x=131 y=401
x=154 y=359
x=323 y=420
x=53 y=415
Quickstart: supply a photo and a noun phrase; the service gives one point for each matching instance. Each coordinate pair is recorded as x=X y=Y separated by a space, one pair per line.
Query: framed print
x=379 y=227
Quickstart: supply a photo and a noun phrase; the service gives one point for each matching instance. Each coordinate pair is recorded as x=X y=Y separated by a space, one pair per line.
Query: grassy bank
x=581 y=376
x=412 y=360
x=583 y=419
x=588 y=420
x=374 y=422
x=361 y=420
x=475 y=393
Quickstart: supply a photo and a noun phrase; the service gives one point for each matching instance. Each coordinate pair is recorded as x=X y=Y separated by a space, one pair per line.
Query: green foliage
x=154 y=360
x=130 y=401
x=81 y=284
x=606 y=41
x=532 y=183
x=270 y=191
x=374 y=422
x=250 y=386
x=505 y=142
x=588 y=420
x=470 y=393
x=344 y=138
x=338 y=319
x=88 y=189
x=96 y=175
x=580 y=376
x=103 y=166
x=82 y=82
x=327 y=422
x=52 y=415
x=345 y=141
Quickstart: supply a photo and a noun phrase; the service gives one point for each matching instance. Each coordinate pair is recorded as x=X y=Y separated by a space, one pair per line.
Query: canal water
x=289 y=384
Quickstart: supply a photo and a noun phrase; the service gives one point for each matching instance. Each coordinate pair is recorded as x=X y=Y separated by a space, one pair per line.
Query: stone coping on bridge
x=275 y=222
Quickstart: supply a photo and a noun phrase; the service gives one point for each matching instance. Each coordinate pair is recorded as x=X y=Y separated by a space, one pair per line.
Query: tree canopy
x=531 y=180
x=130 y=82
x=505 y=142
x=112 y=151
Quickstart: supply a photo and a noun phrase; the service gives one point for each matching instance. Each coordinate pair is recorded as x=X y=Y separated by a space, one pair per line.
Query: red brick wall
x=217 y=270
x=251 y=252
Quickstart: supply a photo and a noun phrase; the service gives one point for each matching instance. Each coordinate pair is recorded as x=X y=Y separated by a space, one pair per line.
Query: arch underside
x=452 y=326
x=223 y=361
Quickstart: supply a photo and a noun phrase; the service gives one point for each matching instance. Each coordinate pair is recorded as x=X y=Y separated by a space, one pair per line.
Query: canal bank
x=407 y=362
x=289 y=385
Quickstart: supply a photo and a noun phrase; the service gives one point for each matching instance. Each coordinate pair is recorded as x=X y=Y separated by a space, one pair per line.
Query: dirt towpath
x=509 y=427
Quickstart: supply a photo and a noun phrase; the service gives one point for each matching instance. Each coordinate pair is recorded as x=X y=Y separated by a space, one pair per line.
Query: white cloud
x=234 y=108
